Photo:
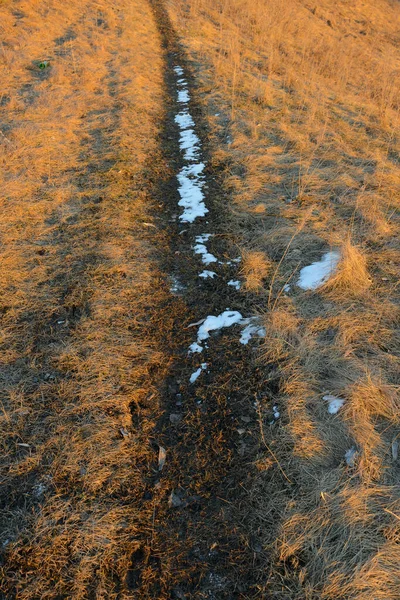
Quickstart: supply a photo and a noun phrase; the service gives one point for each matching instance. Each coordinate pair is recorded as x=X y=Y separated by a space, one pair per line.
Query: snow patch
x=234 y=283
x=197 y=373
x=206 y=257
x=195 y=347
x=225 y=319
x=335 y=403
x=207 y=274
x=190 y=143
x=184 y=119
x=192 y=198
x=251 y=329
x=319 y=272
x=183 y=96
x=204 y=237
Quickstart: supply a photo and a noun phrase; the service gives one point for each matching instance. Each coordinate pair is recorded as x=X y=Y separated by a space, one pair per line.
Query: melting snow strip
x=200 y=248
x=183 y=96
x=195 y=347
x=191 y=181
x=319 y=272
x=190 y=178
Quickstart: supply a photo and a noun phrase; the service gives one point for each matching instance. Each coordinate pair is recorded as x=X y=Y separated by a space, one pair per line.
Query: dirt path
x=200 y=545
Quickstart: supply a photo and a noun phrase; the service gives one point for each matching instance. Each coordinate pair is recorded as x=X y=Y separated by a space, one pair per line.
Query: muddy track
x=199 y=544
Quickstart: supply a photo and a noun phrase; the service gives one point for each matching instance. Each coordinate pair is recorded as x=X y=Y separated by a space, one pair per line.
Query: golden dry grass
x=255 y=268
x=79 y=289
x=303 y=105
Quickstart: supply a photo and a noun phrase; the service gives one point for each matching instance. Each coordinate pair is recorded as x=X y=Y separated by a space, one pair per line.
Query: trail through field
x=199 y=546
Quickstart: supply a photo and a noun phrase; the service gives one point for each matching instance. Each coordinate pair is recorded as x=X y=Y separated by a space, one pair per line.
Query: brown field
x=297 y=106
x=79 y=286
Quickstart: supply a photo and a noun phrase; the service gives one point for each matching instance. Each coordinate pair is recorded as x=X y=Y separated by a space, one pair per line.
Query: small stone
x=395 y=449
x=174 y=501
x=175 y=418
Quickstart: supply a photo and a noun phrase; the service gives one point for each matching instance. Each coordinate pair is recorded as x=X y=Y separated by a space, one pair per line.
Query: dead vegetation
x=255 y=268
x=80 y=97
x=303 y=102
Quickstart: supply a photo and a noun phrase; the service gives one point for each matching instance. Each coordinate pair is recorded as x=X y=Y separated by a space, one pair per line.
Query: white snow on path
x=195 y=347
x=204 y=237
x=206 y=257
x=190 y=143
x=184 y=120
x=191 y=180
x=197 y=373
x=183 y=96
x=319 y=272
x=227 y=319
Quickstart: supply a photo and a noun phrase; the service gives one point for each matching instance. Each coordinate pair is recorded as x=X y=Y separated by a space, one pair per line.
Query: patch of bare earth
x=303 y=104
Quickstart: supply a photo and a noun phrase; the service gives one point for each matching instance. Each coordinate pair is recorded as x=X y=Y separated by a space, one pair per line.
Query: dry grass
x=303 y=104
x=255 y=268
x=79 y=290
x=351 y=276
